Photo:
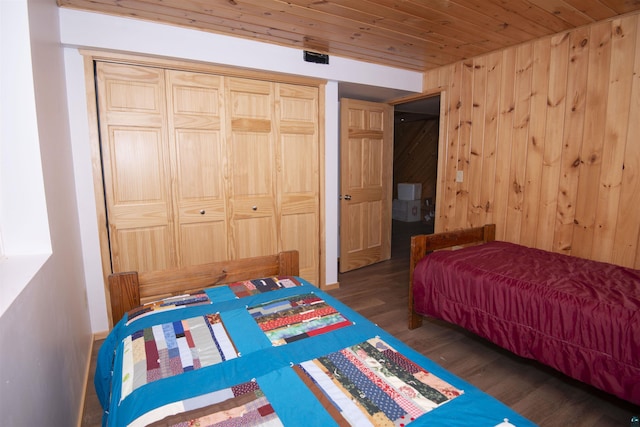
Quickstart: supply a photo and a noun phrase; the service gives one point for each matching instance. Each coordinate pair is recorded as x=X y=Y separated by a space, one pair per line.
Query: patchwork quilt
x=270 y=352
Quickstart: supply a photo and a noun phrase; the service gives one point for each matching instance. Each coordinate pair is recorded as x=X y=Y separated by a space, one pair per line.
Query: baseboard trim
x=100 y=335
x=330 y=286
x=85 y=382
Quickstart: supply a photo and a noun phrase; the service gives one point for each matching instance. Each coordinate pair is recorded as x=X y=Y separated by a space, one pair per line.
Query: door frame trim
x=442 y=138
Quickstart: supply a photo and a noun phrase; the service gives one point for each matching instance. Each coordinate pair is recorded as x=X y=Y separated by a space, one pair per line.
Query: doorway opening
x=415 y=161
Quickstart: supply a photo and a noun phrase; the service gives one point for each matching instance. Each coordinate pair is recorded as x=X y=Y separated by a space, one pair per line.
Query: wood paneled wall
x=547 y=136
x=415 y=155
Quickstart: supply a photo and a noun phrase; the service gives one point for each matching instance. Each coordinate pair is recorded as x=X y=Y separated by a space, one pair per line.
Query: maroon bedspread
x=578 y=316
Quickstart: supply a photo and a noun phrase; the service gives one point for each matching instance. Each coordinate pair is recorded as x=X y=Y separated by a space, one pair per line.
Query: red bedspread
x=578 y=316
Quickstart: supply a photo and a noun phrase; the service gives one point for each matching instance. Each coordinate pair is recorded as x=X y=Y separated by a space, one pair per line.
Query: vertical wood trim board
x=546 y=135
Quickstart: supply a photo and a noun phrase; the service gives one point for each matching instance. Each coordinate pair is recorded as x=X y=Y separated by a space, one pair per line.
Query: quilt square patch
x=372 y=384
x=247 y=288
x=293 y=318
x=241 y=405
x=169 y=349
x=170 y=303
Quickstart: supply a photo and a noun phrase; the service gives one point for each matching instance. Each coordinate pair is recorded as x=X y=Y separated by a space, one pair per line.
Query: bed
x=265 y=347
x=580 y=317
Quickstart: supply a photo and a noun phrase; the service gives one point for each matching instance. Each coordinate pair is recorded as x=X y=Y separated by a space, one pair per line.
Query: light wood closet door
x=251 y=147
x=298 y=174
x=136 y=167
x=196 y=136
x=201 y=168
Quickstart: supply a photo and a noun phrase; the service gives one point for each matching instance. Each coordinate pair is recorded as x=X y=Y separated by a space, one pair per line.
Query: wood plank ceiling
x=411 y=34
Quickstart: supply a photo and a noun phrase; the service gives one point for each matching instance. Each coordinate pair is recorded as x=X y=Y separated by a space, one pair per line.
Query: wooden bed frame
x=422 y=244
x=130 y=289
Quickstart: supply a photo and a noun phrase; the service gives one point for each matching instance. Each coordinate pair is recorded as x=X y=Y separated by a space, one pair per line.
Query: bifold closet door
x=197 y=143
x=163 y=166
x=201 y=167
x=298 y=172
x=136 y=168
x=274 y=170
x=251 y=148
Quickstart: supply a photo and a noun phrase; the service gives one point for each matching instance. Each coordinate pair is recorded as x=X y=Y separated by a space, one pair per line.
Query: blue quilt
x=275 y=351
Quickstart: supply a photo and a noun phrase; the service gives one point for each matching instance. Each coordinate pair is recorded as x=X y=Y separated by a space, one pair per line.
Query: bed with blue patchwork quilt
x=275 y=351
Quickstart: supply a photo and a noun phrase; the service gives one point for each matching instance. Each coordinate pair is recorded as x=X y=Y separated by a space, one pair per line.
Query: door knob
x=202 y=212
x=255 y=208
x=347 y=197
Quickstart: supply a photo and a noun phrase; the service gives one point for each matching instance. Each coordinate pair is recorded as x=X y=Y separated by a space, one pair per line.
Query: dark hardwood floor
x=380 y=293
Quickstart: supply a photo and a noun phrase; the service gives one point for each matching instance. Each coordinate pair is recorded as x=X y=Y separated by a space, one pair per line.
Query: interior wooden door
x=136 y=172
x=366 y=180
x=196 y=137
x=298 y=174
x=251 y=147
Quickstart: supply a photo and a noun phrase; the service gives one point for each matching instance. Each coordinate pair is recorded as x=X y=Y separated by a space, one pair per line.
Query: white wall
x=96 y=31
x=25 y=242
x=45 y=335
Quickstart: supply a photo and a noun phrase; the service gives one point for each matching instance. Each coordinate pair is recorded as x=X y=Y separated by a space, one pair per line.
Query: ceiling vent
x=318 y=58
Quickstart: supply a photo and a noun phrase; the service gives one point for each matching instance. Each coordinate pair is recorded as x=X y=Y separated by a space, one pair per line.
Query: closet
x=199 y=167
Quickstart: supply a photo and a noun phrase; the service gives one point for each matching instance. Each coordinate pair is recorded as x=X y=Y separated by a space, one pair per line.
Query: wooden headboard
x=422 y=244
x=130 y=289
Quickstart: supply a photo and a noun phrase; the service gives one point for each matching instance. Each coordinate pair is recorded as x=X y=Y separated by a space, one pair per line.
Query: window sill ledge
x=16 y=271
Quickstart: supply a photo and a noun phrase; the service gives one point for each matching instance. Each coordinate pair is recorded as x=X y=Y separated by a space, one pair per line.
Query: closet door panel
x=136 y=171
x=252 y=165
x=142 y=249
x=251 y=148
x=255 y=236
x=137 y=174
x=298 y=174
x=196 y=123
x=297 y=232
x=212 y=235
